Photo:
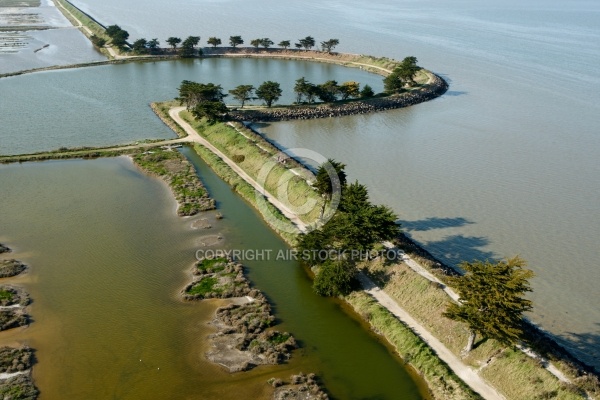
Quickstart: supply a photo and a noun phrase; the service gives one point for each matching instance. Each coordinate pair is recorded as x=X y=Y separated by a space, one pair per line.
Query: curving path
x=194 y=137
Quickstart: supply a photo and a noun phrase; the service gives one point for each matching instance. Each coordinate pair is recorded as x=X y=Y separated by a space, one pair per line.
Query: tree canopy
x=173 y=42
x=140 y=46
x=242 y=93
x=235 y=41
x=307 y=43
x=366 y=92
x=187 y=46
x=255 y=42
x=213 y=111
x=357 y=225
x=118 y=36
x=401 y=75
x=335 y=278
x=266 y=43
x=192 y=93
x=323 y=182
x=349 y=89
x=284 y=43
x=214 y=41
x=329 y=45
x=269 y=91
x=492 y=299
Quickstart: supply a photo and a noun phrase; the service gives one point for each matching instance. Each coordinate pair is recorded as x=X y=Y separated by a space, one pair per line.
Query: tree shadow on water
x=433 y=223
x=453 y=250
x=585 y=346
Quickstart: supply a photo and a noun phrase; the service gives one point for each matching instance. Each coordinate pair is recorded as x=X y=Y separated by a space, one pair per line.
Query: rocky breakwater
x=244 y=337
x=434 y=88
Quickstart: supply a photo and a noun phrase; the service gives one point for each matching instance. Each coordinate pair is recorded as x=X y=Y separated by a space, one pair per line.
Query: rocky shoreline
x=244 y=338
x=435 y=88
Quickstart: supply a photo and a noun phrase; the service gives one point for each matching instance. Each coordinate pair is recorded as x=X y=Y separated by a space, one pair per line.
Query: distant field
x=20 y=3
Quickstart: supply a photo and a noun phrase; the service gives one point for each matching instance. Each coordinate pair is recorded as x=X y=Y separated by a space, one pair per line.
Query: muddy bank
x=300 y=387
x=244 y=338
x=179 y=173
x=435 y=88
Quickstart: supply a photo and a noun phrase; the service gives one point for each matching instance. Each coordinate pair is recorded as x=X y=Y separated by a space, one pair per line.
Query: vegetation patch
x=299 y=387
x=10 y=268
x=180 y=175
x=216 y=278
x=12 y=318
x=4 y=249
x=20 y=386
x=10 y=296
x=15 y=359
x=243 y=339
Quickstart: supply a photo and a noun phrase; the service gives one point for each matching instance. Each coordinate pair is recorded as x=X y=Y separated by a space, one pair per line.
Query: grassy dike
x=246 y=191
x=441 y=380
x=443 y=383
x=79 y=18
x=509 y=370
x=259 y=159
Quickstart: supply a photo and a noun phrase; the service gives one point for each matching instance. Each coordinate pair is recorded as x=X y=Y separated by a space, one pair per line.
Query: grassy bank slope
x=510 y=371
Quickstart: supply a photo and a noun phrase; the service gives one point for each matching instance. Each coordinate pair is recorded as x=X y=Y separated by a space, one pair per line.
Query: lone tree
x=328 y=91
x=269 y=91
x=153 y=45
x=349 y=89
x=193 y=93
x=307 y=43
x=266 y=43
x=140 y=46
x=325 y=185
x=366 y=92
x=173 y=42
x=284 y=43
x=492 y=299
x=235 y=41
x=329 y=45
x=118 y=36
x=214 y=41
x=187 y=47
x=255 y=43
x=242 y=93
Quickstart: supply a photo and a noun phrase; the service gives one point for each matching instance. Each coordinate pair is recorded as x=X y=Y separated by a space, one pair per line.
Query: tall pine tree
x=492 y=299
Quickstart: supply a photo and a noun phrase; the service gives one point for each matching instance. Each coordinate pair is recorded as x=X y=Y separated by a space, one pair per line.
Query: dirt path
x=468 y=375
x=195 y=138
